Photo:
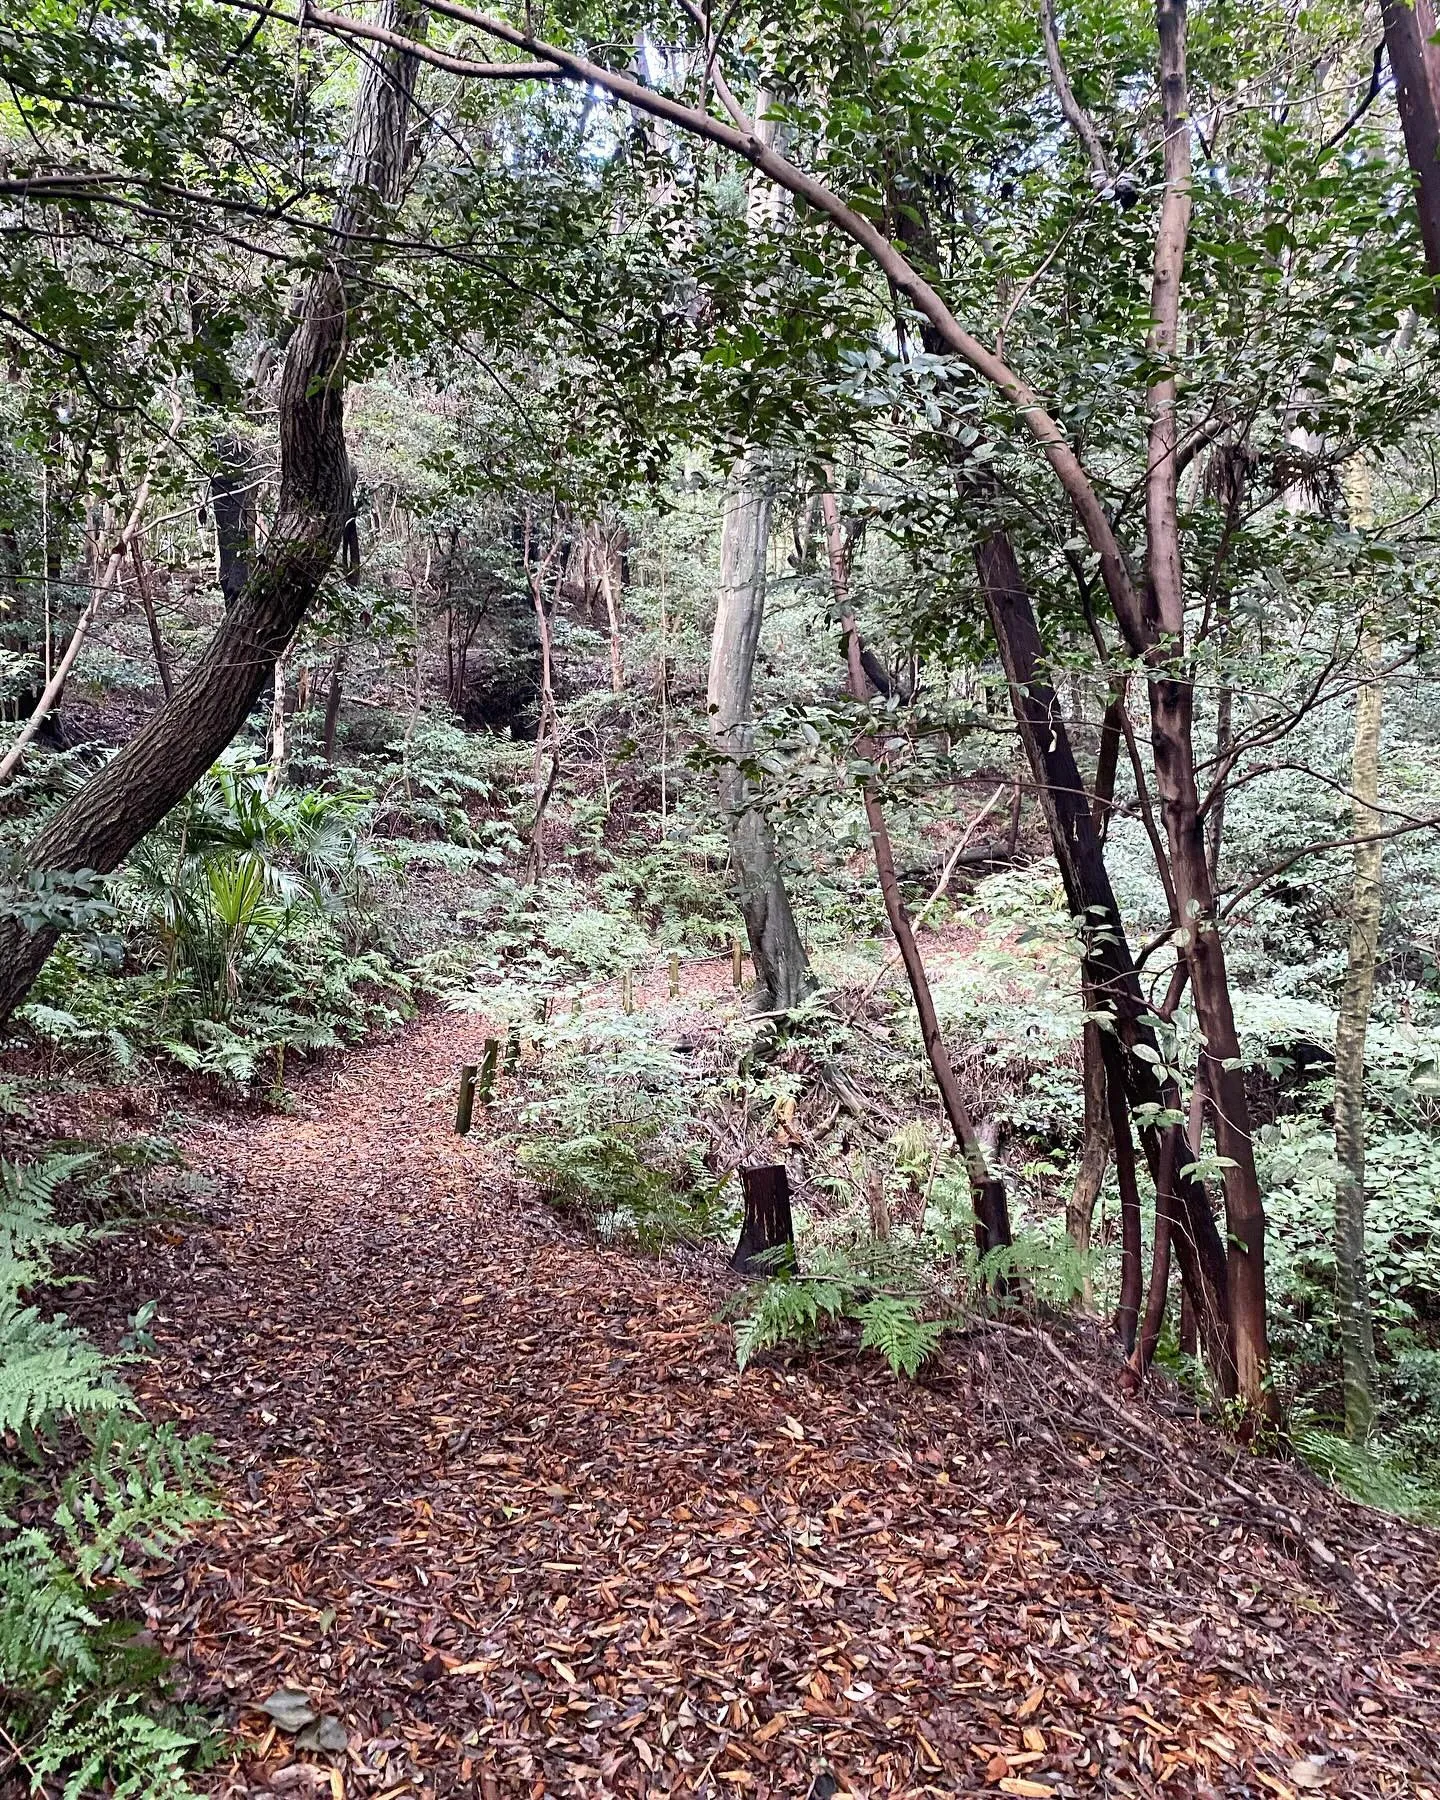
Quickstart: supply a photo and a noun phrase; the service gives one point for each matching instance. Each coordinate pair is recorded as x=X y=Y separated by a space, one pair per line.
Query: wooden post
x=674 y=974
x=627 y=992
x=465 y=1106
x=736 y=963
x=487 y=1070
x=512 y=1050
x=767 y=1218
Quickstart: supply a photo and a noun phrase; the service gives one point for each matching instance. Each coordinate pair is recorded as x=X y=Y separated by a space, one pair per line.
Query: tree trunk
x=275 y=774
x=1352 y=1284
x=612 y=610
x=147 y=603
x=767 y=1226
x=1172 y=736
x=232 y=507
x=987 y=1191
x=1094 y=1153
x=1127 y=1312
x=782 y=969
x=1415 y=62
x=1109 y=971
x=332 y=704
x=1112 y=732
x=104 y=822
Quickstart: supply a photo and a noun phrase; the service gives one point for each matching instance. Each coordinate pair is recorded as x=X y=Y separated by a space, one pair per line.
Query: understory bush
x=248 y=926
x=91 y=1497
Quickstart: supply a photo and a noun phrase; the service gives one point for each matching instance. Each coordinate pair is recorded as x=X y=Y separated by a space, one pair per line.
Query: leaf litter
x=502 y=1518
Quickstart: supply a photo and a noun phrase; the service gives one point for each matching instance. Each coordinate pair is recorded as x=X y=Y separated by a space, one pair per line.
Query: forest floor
x=498 y=1503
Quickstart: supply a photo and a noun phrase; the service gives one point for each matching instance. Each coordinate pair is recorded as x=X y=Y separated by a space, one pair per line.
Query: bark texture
x=767 y=1226
x=782 y=969
x=1352 y=1282
x=1415 y=62
x=178 y=743
x=1109 y=971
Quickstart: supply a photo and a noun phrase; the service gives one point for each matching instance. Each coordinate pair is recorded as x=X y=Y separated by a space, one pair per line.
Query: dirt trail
x=498 y=1501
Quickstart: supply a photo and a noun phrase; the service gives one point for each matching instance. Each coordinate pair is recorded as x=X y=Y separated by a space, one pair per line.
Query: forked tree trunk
x=1109 y=971
x=782 y=969
x=109 y=816
x=1352 y=1281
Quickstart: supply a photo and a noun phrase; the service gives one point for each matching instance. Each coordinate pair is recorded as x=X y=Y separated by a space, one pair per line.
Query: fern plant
x=877 y=1284
x=93 y=1497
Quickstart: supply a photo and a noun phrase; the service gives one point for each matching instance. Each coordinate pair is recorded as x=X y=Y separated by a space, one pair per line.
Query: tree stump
x=767 y=1219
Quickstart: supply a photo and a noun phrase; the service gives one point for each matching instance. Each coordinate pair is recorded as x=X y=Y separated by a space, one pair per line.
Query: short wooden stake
x=487 y=1070
x=465 y=1105
x=627 y=992
x=736 y=965
x=674 y=974
x=512 y=1050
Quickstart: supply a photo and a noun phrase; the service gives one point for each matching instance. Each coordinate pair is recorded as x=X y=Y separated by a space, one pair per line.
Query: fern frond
x=892 y=1325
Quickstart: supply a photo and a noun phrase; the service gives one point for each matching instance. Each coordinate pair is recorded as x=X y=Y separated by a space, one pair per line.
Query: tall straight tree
x=103 y=823
x=782 y=969
x=1352 y=1282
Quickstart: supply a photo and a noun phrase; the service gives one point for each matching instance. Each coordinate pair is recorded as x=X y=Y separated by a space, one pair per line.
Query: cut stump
x=767 y=1219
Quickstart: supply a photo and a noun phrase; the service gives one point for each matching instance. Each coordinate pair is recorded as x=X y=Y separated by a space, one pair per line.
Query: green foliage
x=92 y=1500
x=250 y=924
x=604 y=1179
x=871 y=1286
x=1364 y=1471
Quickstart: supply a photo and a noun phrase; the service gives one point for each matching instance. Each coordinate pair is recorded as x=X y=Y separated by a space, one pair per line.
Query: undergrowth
x=91 y=1497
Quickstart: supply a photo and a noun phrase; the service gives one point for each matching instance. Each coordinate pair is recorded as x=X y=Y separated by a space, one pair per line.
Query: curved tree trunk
x=782 y=969
x=104 y=822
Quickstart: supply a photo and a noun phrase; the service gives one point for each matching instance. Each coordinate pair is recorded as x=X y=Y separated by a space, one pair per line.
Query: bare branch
x=1076 y=116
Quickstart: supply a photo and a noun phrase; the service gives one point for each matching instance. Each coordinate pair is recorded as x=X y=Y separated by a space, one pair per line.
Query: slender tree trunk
x=332 y=704
x=987 y=1191
x=275 y=774
x=1172 y=732
x=1112 y=733
x=104 y=822
x=147 y=603
x=547 y=733
x=1415 y=61
x=1352 y=1283
x=233 y=508
x=1094 y=1152
x=612 y=610
x=1130 y=1048
x=782 y=969
x=1127 y=1312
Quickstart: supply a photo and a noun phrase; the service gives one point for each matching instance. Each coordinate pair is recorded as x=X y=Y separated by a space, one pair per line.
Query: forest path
x=499 y=1502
